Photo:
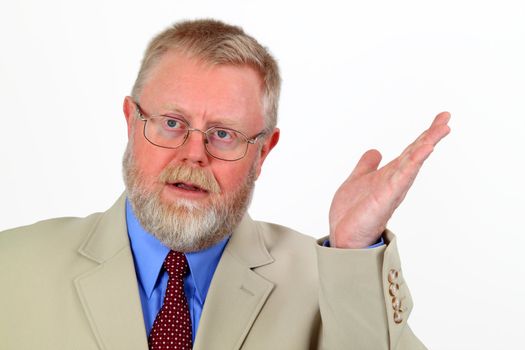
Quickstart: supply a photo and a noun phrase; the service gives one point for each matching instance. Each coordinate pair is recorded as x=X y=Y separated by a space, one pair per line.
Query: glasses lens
x=166 y=131
x=226 y=144
x=169 y=132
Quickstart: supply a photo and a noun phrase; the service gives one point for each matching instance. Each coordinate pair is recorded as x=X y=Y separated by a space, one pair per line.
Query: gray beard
x=184 y=225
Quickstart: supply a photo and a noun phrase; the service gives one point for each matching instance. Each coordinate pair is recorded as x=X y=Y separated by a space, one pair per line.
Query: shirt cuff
x=379 y=243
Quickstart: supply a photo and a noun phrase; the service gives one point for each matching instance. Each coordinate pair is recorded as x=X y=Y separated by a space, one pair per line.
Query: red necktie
x=172 y=327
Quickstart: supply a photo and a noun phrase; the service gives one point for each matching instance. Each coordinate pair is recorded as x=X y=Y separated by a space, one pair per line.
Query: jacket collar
x=109 y=235
x=247 y=244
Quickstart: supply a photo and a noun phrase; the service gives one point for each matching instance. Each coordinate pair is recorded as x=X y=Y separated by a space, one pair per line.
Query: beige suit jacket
x=70 y=283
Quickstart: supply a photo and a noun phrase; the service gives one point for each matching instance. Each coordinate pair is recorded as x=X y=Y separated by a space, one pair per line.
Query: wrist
x=355 y=244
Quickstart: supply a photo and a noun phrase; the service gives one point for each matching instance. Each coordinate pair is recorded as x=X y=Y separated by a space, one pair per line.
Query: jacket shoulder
x=275 y=235
x=292 y=250
x=57 y=231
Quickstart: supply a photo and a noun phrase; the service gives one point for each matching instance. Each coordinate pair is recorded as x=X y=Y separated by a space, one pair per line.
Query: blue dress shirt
x=149 y=254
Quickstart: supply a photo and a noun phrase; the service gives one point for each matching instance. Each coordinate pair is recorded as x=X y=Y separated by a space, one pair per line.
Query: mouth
x=189 y=187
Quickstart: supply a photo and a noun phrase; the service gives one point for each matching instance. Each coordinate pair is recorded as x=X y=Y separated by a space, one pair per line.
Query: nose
x=193 y=150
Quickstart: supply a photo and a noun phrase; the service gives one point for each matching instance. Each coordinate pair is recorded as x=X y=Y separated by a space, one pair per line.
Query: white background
x=356 y=75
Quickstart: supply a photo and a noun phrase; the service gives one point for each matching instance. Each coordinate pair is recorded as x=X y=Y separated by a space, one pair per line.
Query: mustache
x=195 y=176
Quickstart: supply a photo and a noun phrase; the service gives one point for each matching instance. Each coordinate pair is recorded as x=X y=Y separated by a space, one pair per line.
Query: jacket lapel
x=110 y=298
x=236 y=293
x=109 y=292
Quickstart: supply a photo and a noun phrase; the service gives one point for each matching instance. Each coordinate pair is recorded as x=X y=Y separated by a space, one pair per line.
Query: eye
x=173 y=123
x=223 y=134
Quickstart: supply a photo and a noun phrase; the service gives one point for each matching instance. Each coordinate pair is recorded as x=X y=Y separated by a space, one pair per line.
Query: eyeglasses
x=171 y=132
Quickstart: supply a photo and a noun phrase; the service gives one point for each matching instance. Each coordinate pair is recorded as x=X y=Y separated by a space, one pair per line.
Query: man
x=177 y=263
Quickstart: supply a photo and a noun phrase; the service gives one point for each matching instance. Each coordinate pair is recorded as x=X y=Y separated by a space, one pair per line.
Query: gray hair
x=215 y=42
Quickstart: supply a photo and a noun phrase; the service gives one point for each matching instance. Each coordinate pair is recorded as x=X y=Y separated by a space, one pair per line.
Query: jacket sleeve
x=363 y=299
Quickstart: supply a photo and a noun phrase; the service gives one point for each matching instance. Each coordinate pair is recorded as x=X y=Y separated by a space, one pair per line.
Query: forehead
x=203 y=90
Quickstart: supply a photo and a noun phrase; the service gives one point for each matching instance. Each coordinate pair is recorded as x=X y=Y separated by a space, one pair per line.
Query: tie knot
x=176 y=264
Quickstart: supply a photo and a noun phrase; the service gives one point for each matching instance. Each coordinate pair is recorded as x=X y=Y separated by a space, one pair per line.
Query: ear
x=129 y=113
x=268 y=145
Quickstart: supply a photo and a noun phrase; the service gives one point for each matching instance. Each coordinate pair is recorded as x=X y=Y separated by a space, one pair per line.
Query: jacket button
x=393 y=289
x=396 y=304
x=397 y=317
x=393 y=276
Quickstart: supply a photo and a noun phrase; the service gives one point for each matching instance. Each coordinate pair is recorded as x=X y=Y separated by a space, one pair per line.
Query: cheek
x=231 y=176
x=150 y=160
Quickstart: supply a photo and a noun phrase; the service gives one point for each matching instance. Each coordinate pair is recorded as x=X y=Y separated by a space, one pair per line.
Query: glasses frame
x=249 y=140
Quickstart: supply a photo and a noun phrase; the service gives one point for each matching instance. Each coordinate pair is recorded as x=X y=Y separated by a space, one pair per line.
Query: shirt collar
x=149 y=254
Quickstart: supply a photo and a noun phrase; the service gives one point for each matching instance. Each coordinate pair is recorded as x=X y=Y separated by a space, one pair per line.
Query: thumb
x=369 y=162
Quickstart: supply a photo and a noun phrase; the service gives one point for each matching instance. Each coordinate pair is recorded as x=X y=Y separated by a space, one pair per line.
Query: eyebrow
x=226 y=122
x=215 y=121
x=174 y=108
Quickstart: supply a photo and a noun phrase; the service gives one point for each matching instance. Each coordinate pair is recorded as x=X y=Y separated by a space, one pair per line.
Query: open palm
x=367 y=199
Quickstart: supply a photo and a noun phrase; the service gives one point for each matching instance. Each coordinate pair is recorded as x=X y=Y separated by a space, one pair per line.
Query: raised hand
x=367 y=199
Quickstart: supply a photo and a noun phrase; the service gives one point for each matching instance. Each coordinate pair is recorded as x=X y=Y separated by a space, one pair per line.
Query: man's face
x=205 y=96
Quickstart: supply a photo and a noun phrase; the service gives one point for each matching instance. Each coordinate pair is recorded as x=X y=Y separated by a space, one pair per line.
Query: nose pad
x=194 y=149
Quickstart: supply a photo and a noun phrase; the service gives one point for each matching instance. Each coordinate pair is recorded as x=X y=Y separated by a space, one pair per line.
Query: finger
x=404 y=169
x=369 y=162
x=407 y=166
x=418 y=156
x=435 y=133
x=405 y=174
x=410 y=163
x=437 y=130
x=441 y=118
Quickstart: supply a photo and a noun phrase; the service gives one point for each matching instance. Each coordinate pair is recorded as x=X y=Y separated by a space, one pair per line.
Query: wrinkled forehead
x=204 y=62
x=202 y=88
